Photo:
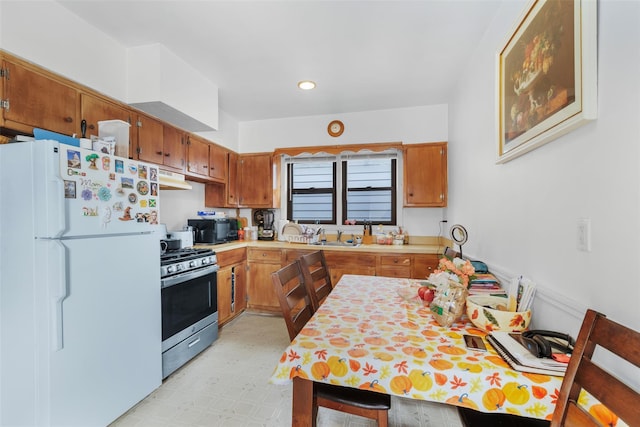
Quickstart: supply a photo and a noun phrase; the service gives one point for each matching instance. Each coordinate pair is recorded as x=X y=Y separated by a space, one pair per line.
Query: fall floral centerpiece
x=452 y=278
x=456 y=269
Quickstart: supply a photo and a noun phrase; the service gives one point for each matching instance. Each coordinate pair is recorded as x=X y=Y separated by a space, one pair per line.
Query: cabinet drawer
x=294 y=254
x=340 y=258
x=396 y=260
x=394 y=271
x=264 y=255
x=233 y=256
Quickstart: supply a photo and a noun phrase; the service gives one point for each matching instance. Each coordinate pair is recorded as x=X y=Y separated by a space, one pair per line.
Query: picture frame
x=546 y=75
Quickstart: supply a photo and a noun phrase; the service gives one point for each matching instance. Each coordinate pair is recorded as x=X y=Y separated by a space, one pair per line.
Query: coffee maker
x=264 y=219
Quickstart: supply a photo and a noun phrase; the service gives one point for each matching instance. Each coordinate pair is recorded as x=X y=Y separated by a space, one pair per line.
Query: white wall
x=47 y=34
x=406 y=125
x=522 y=216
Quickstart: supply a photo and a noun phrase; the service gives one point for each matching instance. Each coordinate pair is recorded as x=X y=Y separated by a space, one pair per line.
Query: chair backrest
x=293 y=296
x=582 y=373
x=317 y=276
x=451 y=253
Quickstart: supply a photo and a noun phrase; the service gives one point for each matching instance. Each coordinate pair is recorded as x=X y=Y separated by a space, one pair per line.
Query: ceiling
x=363 y=55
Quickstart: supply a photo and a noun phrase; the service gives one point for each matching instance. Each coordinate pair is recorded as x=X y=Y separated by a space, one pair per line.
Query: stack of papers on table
x=520 y=359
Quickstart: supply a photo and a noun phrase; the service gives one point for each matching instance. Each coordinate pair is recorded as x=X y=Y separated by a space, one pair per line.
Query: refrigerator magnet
x=69 y=189
x=126 y=216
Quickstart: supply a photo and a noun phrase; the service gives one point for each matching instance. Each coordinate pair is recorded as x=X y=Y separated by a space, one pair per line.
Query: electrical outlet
x=583 y=242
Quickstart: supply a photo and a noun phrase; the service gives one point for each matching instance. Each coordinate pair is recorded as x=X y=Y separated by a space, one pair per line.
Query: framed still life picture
x=547 y=75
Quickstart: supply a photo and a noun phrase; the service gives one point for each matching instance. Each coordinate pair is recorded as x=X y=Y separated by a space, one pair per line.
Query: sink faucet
x=339 y=235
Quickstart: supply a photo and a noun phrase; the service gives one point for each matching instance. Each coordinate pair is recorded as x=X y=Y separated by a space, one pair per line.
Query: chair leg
x=383 y=418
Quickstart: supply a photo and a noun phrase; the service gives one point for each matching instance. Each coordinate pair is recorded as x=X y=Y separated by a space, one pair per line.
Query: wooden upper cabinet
x=33 y=98
x=174 y=143
x=232 y=179
x=197 y=156
x=425 y=175
x=218 y=163
x=150 y=139
x=255 y=183
x=94 y=110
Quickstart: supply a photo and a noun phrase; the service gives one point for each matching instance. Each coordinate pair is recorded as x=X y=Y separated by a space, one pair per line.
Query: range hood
x=163 y=85
x=167 y=113
x=172 y=181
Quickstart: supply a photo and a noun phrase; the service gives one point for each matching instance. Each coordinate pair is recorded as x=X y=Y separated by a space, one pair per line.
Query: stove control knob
x=192 y=264
x=205 y=261
x=170 y=269
x=178 y=267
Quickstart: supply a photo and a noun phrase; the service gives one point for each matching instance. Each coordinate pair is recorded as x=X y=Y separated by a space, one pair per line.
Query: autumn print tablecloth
x=366 y=335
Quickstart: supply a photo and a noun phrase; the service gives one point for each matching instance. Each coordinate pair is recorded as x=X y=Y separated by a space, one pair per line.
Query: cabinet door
x=197 y=156
x=340 y=263
x=232 y=179
x=423 y=265
x=425 y=175
x=93 y=110
x=173 y=148
x=37 y=100
x=240 y=271
x=261 y=294
x=217 y=163
x=262 y=262
x=256 y=181
x=150 y=140
x=224 y=295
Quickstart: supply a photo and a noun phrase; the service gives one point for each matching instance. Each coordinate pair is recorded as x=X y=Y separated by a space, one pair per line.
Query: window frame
x=393 y=189
x=291 y=192
x=340 y=184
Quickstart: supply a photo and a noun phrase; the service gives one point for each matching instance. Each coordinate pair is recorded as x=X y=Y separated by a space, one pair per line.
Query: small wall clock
x=335 y=128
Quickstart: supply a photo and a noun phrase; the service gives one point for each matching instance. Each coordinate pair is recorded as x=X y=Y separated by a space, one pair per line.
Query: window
x=366 y=183
x=369 y=192
x=312 y=192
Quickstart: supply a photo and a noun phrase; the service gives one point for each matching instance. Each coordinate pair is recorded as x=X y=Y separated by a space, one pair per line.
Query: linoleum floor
x=228 y=385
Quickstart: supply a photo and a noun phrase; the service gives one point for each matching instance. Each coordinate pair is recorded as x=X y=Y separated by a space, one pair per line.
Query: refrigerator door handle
x=59 y=292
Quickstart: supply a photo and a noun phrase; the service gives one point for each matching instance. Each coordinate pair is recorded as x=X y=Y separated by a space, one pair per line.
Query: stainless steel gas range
x=189 y=305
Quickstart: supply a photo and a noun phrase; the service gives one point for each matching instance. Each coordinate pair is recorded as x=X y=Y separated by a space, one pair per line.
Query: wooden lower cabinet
x=232 y=284
x=340 y=263
x=263 y=262
x=394 y=266
x=423 y=265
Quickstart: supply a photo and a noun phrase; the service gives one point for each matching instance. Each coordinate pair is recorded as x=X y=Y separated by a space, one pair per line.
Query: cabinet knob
x=167 y=154
x=68 y=119
x=91 y=126
x=159 y=153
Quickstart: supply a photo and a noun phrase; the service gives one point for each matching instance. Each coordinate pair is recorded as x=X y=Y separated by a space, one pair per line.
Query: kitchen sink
x=336 y=243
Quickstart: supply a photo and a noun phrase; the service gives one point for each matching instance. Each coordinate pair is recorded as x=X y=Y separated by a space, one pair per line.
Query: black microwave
x=211 y=231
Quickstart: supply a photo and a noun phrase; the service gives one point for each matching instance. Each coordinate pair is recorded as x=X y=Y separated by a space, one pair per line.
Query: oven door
x=189 y=303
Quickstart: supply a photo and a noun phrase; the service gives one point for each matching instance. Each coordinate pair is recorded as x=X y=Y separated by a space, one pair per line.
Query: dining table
x=371 y=334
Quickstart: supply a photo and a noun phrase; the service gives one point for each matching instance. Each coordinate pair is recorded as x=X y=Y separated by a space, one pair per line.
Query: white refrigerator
x=80 y=327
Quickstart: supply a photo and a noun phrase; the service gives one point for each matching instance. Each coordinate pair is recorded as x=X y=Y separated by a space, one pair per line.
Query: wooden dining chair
x=583 y=373
x=293 y=296
x=297 y=309
x=317 y=277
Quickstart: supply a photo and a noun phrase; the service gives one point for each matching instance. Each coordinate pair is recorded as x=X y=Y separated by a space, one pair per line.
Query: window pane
x=373 y=206
x=370 y=193
x=311 y=207
x=365 y=173
x=312 y=175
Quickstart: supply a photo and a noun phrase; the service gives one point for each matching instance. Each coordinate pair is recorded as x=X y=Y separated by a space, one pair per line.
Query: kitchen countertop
x=423 y=245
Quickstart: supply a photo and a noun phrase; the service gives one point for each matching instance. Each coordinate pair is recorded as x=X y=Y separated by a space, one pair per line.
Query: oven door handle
x=194 y=274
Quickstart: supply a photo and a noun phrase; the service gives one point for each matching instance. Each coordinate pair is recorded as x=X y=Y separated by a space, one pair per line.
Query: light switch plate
x=583 y=242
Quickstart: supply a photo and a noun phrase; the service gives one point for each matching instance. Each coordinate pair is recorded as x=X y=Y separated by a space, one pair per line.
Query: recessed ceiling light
x=306 y=85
